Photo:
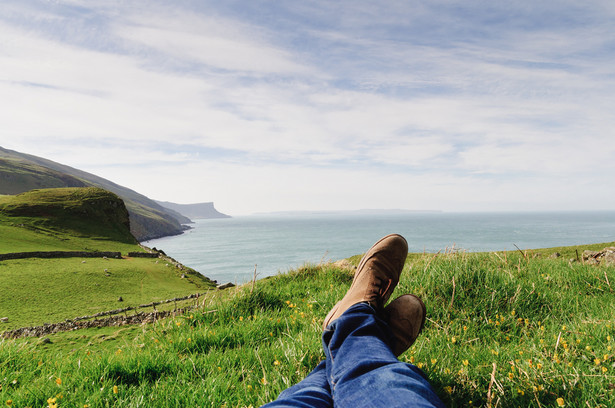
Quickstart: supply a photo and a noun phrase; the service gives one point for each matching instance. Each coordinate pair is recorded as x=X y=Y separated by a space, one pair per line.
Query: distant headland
x=194 y=211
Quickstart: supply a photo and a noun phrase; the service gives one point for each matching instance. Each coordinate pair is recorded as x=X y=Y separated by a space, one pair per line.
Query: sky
x=262 y=105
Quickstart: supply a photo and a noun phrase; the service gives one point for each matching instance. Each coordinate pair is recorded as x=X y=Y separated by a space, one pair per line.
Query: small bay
x=229 y=250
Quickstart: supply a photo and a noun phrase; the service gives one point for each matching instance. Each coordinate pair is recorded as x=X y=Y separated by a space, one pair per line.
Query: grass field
x=503 y=330
x=24 y=239
x=37 y=291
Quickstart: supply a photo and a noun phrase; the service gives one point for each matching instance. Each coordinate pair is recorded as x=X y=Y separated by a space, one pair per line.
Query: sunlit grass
x=503 y=330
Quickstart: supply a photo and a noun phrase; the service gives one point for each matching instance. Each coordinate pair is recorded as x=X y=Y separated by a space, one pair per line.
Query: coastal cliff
x=20 y=172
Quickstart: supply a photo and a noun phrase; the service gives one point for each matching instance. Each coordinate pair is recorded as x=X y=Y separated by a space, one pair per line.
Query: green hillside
x=37 y=291
x=69 y=219
x=90 y=214
x=17 y=176
x=21 y=172
x=505 y=329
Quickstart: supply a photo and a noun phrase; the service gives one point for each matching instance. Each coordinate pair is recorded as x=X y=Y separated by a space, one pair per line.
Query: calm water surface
x=228 y=250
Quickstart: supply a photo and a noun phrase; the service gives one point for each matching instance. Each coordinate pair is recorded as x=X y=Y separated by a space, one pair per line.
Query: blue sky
x=318 y=105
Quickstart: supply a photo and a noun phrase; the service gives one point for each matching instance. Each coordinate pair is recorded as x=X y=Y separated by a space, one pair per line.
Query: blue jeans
x=360 y=369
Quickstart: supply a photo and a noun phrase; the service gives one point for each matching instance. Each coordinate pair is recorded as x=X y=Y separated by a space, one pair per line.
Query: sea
x=239 y=248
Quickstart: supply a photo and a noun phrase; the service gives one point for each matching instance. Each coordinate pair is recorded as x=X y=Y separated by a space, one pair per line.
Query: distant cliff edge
x=194 y=211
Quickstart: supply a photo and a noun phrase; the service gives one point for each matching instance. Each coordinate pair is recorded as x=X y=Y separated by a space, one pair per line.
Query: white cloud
x=261 y=117
x=213 y=41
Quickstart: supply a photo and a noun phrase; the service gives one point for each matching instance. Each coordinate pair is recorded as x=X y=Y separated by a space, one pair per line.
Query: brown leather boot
x=406 y=318
x=376 y=276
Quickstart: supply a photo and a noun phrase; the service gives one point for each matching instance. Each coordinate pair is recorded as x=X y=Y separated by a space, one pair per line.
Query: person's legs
x=363 y=371
x=312 y=392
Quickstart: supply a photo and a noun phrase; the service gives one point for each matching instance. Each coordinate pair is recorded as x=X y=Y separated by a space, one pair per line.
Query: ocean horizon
x=233 y=249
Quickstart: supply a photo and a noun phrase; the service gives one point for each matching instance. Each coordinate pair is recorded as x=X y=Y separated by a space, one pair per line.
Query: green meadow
x=37 y=291
x=504 y=329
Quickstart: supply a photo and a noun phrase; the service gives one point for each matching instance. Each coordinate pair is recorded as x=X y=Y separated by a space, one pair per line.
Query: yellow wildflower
x=9 y=402
x=434 y=360
x=59 y=381
x=276 y=363
x=453 y=340
x=560 y=402
x=115 y=389
x=466 y=362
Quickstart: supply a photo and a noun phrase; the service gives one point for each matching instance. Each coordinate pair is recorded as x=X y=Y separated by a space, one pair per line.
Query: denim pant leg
x=363 y=371
x=312 y=392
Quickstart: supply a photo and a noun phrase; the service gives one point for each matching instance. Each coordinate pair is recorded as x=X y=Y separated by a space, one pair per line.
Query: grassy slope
x=35 y=291
x=528 y=330
x=21 y=172
x=52 y=216
x=50 y=290
x=19 y=176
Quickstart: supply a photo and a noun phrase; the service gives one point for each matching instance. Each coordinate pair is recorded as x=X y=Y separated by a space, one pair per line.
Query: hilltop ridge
x=82 y=212
x=20 y=172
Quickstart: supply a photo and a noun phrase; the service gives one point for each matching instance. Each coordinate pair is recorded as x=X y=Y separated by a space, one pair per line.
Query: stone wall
x=59 y=254
x=604 y=257
x=109 y=318
x=143 y=254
